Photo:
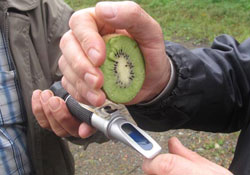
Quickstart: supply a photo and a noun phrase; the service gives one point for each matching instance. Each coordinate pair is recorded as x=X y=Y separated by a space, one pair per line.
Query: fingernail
x=92 y=97
x=94 y=55
x=90 y=79
x=108 y=9
x=46 y=95
x=54 y=103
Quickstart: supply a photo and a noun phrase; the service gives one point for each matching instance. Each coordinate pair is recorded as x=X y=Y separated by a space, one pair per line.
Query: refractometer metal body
x=109 y=120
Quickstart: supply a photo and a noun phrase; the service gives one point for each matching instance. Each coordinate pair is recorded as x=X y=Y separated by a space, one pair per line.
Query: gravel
x=118 y=159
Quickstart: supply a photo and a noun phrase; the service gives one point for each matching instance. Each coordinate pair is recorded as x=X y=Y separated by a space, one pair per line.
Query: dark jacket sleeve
x=211 y=93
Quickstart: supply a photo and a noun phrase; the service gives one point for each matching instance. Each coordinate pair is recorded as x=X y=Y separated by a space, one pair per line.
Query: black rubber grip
x=58 y=90
x=79 y=112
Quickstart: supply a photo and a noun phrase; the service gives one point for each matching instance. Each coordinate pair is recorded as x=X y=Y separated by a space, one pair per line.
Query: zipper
x=6 y=40
x=2 y=16
x=12 y=65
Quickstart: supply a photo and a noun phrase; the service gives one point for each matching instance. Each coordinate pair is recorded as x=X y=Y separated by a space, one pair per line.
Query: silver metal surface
x=113 y=130
x=109 y=120
x=116 y=132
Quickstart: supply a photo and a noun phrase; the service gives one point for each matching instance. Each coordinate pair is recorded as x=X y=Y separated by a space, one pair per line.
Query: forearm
x=210 y=92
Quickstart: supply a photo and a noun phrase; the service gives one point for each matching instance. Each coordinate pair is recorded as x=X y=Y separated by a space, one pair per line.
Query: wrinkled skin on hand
x=84 y=50
x=180 y=161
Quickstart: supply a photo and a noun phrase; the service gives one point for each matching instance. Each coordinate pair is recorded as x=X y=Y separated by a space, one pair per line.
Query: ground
x=117 y=159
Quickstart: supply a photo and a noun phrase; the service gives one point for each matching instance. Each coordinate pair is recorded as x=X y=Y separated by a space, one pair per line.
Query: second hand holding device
x=109 y=120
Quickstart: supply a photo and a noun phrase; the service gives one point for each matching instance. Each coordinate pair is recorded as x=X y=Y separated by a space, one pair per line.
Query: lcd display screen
x=137 y=136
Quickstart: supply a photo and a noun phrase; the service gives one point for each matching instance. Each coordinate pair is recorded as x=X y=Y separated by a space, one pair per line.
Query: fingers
x=75 y=65
x=37 y=109
x=181 y=160
x=85 y=130
x=176 y=147
x=51 y=113
x=170 y=164
x=82 y=94
x=130 y=16
x=84 y=49
x=81 y=79
x=74 y=56
x=87 y=34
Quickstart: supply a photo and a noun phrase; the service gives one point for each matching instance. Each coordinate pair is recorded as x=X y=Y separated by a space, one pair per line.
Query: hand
x=181 y=161
x=52 y=113
x=84 y=50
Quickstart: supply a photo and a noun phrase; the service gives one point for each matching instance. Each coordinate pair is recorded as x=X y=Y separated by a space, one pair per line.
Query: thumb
x=130 y=16
x=170 y=164
x=176 y=147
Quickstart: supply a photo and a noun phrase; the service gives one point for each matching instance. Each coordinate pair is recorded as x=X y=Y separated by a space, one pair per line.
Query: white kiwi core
x=123 y=71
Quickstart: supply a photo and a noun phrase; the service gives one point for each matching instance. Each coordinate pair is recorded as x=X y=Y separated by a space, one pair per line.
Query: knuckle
x=77 y=66
x=135 y=9
x=64 y=118
x=37 y=109
x=44 y=124
x=79 y=84
x=133 y=4
x=65 y=39
x=79 y=97
x=167 y=164
x=195 y=155
x=158 y=30
x=79 y=87
x=67 y=86
x=74 y=18
x=64 y=83
x=79 y=15
x=157 y=27
x=61 y=63
x=145 y=168
x=60 y=132
x=86 y=38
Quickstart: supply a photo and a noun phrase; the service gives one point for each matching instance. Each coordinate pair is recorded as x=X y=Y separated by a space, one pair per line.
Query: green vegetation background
x=198 y=21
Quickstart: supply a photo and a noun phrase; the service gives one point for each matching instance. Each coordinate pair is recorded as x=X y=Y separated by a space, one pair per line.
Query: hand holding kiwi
x=123 y=69
x=127 y=77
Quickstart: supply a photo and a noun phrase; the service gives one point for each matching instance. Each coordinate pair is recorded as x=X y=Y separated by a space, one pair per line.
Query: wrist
x=166 y=86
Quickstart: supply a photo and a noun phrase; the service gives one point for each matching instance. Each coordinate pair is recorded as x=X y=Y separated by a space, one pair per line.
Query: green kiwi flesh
x=123 y=69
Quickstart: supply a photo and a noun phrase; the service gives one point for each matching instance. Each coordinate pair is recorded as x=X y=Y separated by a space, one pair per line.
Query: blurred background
x=193 y=23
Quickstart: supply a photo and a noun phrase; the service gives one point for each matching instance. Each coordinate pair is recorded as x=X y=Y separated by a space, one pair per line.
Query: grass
x=198 y=21
x=201 y=21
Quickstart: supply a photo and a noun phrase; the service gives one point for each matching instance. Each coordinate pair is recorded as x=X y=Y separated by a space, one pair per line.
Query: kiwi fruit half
x=123 y=69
